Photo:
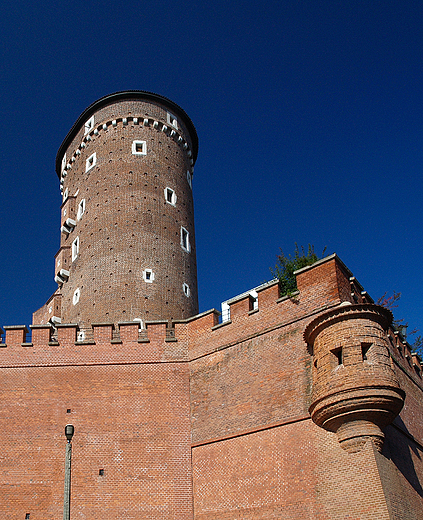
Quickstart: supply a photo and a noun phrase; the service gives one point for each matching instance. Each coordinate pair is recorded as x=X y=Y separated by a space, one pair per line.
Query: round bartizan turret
x=355 y=390
x=127 y=224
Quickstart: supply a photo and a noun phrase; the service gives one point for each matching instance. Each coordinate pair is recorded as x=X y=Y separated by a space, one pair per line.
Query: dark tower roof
x=121 y=96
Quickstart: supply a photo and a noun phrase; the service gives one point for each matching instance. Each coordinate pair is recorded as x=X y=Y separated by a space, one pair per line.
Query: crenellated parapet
x=91 y=127
x=67 y=344
x=338 y=336
x=355 y=390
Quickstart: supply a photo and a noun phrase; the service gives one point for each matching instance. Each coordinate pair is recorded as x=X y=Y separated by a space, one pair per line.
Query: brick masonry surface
x=127 y=226
x=132 y=422
x=209 y=422
x=308 y=407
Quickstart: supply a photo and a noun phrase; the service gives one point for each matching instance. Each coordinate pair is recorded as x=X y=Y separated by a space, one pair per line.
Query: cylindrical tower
x=127 y=247
x=355 y=390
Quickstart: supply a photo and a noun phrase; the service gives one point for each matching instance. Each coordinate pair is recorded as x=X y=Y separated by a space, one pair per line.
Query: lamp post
x=69 y=430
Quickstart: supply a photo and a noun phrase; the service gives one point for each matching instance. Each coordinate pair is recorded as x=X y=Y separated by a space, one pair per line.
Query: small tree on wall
x=287 y=265
x=391 y=302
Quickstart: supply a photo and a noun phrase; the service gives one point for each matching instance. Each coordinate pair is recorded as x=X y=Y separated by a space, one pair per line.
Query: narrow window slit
x=365 y=347
x=337 y=355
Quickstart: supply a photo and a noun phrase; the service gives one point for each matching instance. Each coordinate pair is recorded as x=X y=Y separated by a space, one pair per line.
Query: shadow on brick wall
x=401 y=450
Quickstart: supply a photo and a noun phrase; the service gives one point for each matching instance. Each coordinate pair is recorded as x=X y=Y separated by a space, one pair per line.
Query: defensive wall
x=208 y=420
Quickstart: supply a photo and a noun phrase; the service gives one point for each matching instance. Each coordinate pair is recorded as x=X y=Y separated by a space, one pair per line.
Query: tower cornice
x=126 y=95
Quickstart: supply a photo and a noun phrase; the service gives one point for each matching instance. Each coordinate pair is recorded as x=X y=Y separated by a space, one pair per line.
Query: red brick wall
x=411 y=415
x=320 y=284
x=241 y=391
x=49 y=309
x=401 y=469
x=348 y=485
x=255 y=383
x=252 y=374
x=296 y=471
x=132 y=421
x=268 y=474
x=401 y=463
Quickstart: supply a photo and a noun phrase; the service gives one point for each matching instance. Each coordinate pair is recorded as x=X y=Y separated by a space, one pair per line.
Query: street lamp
x=69 y=430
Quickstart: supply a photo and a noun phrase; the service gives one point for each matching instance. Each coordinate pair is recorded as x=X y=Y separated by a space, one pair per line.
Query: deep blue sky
x=309 y=116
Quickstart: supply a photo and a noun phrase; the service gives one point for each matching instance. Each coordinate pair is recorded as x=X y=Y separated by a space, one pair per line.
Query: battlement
x=267 y=378
x=64 y=344
x=84 y=120
x=325 y=285
x=402 y=354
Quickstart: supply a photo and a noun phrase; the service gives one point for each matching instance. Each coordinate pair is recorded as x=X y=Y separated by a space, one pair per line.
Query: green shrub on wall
x=287 y=265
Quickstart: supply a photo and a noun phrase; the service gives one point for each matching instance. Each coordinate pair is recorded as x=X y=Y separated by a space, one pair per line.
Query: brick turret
x=127 y=248
x=355 y=390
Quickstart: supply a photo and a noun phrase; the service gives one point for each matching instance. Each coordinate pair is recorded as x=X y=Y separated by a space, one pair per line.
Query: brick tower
x=306 y=405
x=127 y=249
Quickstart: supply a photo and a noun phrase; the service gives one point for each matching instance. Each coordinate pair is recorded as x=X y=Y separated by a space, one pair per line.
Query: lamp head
x=69 y=429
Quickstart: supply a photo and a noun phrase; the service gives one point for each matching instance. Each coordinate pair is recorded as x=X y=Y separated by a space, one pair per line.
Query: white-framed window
x=170 y=196
x=226 y=312
x=189 y=178
x=172 y=120
x=139 y=147
x=63 y=162
x=75 y=249
x=185 y=288
x=185 y=240
x=89 y=125
x=148 y=275
x=81 y=209
x=81 y=335
x=65 y=194
x=253 y=300
x=91 y=162
x=141 y=323
x=76 y=296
